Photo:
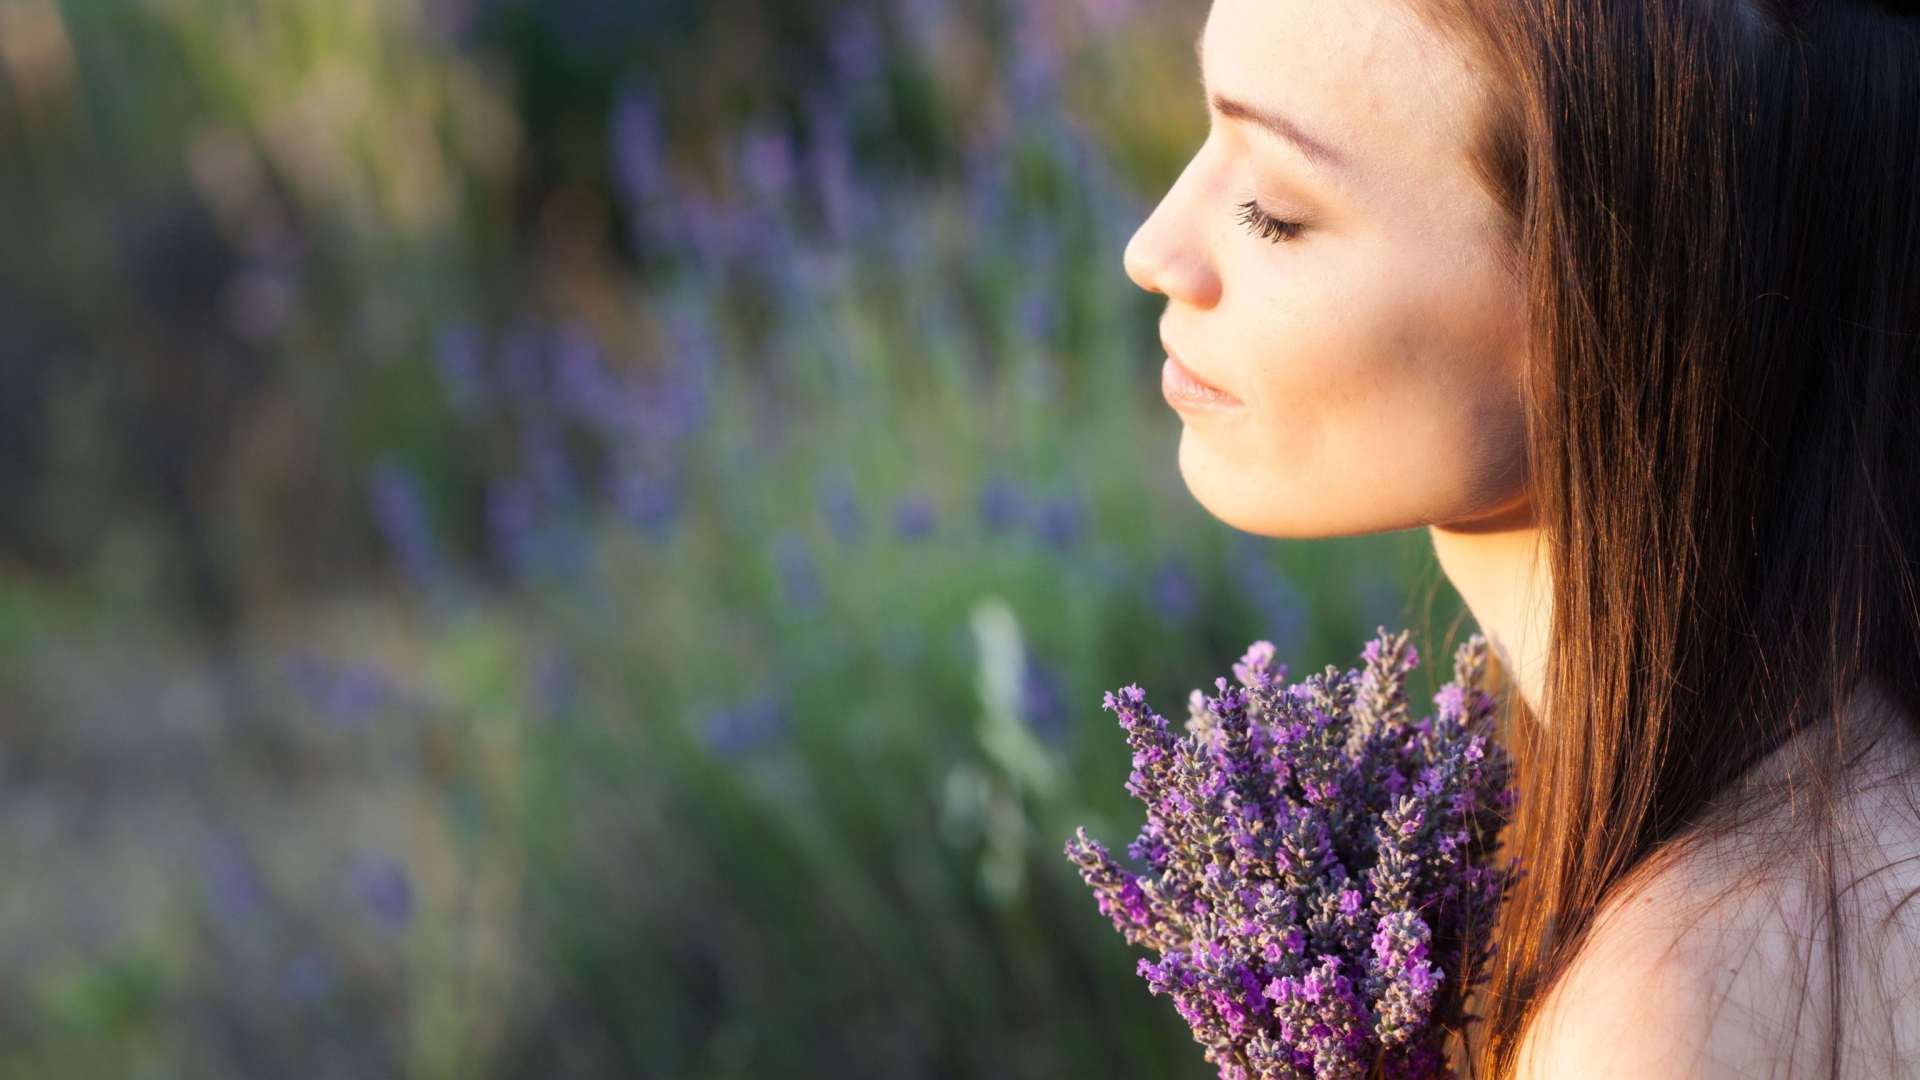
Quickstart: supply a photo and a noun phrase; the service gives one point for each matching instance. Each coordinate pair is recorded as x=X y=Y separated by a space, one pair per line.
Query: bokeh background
x=584 y=538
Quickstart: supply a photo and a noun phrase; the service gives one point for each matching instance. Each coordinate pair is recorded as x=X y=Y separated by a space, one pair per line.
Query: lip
x=1187 y=392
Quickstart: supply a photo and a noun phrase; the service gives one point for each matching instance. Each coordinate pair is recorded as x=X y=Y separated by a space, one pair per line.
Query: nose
x=1170 y=252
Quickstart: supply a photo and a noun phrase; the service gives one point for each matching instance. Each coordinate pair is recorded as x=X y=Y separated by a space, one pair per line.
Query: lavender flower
x=459 y=358
x=799 y=576
x=1270 y=594
x=841 y=509
x=1061 y=522
x=384 y=890
x=1042 y=703
x=347 y=697
x=636 y=137
x=400 y=510
x=913 y=518
x=733 y=733
x=1036 y=60
x=233 y=882
x=513 y=519
x=308 y=978
x=648 y=499
x=858 y=50
x=767 y=160
x=1003 y=504
x=1175 y=594
x=1321 y=885
x=580 y=377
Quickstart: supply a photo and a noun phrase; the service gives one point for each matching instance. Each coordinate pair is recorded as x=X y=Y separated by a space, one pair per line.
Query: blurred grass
x=572 y=539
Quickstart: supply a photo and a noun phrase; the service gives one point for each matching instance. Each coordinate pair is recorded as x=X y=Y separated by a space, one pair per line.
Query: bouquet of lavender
x=1321 y=885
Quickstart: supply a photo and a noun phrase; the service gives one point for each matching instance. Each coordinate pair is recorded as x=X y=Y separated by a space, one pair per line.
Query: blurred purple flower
x=381 y=883
x=733 y=732
x=1381 y=602
x=714 y=232
x=1037 y=314
x=308 y=676
x=635 y=135
x=459 y=357
x=307 y=979
x=360 y=691
x=674 y=406
x=856 y=47
x=649 y=500
x=400 y=511
x=1273 y=597
x=649 y=416
x=512 y=523
x=799 y=576
x=1175 y=594
x=845 y=201
x=522 y=374
x=925 y=21
x=767 y=163
x=1003 y=504
x=233 y=883
x=546 y=460
x=1043 y=703
x=840 y=508
x=988 y=179
x=696 y=347
x=1106 y=15
x=1061 y=522
x=346 y=697
x=913 y=518
x=1037 y=59
x=581 y=382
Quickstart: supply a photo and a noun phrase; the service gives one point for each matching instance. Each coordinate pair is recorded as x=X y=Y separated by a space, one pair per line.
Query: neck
x=1498 y=565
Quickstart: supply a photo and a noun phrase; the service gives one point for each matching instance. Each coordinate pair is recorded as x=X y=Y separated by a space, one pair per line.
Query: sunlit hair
x=1716 y=207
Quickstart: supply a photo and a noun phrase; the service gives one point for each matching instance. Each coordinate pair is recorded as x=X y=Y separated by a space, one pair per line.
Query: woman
x=1621 y=299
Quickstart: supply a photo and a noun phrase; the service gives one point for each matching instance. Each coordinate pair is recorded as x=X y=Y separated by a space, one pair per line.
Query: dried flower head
x=1321 y=883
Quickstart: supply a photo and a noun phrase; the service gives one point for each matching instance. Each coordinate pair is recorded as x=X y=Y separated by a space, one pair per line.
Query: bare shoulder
x=1679 y=981
x=1720 y=959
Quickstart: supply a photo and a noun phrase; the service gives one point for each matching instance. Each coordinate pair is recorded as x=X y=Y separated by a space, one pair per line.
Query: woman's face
x=1345 y=336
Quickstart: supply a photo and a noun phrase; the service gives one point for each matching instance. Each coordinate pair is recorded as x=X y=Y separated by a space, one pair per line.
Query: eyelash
x=1265 y=225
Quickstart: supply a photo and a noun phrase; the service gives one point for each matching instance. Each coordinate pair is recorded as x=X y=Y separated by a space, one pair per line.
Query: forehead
x=1370 y=77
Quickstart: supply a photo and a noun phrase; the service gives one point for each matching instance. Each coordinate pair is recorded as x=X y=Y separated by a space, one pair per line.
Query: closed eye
x=1265 y=225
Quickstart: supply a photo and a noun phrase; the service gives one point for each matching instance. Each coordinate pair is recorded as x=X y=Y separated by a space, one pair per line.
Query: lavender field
x=567 y=538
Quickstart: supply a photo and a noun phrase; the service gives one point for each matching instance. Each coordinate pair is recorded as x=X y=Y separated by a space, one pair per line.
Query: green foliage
x=738 y=739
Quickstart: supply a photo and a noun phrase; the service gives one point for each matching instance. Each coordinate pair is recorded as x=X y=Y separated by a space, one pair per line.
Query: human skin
x=1346 y=338
x=1344 y=326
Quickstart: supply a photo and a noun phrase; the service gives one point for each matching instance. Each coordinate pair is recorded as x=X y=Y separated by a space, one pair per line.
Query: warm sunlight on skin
x=1345 y=336
x=1346 y=339
x=1344 y=329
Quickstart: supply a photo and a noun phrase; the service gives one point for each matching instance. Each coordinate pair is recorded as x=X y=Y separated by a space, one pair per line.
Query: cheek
x=1382 y=392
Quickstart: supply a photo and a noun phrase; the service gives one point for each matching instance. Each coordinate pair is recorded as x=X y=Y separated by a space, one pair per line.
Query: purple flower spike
x=399 y=509
x=913 y=518
x=1256 y=668
x=1321 y=882
x=383 y=887
x=233 y=882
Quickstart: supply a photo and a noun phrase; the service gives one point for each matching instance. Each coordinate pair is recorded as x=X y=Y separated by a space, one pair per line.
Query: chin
x=1258 y=500
x=1244 y=497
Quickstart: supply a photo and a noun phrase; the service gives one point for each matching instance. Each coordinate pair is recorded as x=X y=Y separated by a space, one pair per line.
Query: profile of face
x=1344 y=327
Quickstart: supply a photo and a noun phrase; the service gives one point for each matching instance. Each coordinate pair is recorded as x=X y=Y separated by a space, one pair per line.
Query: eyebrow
x=1316 y=150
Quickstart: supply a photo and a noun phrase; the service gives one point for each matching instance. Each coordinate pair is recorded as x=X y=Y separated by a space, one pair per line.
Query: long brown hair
x=1717 y=211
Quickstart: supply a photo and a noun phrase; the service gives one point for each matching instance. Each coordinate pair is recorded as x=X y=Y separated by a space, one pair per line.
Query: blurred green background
x=583 y=538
